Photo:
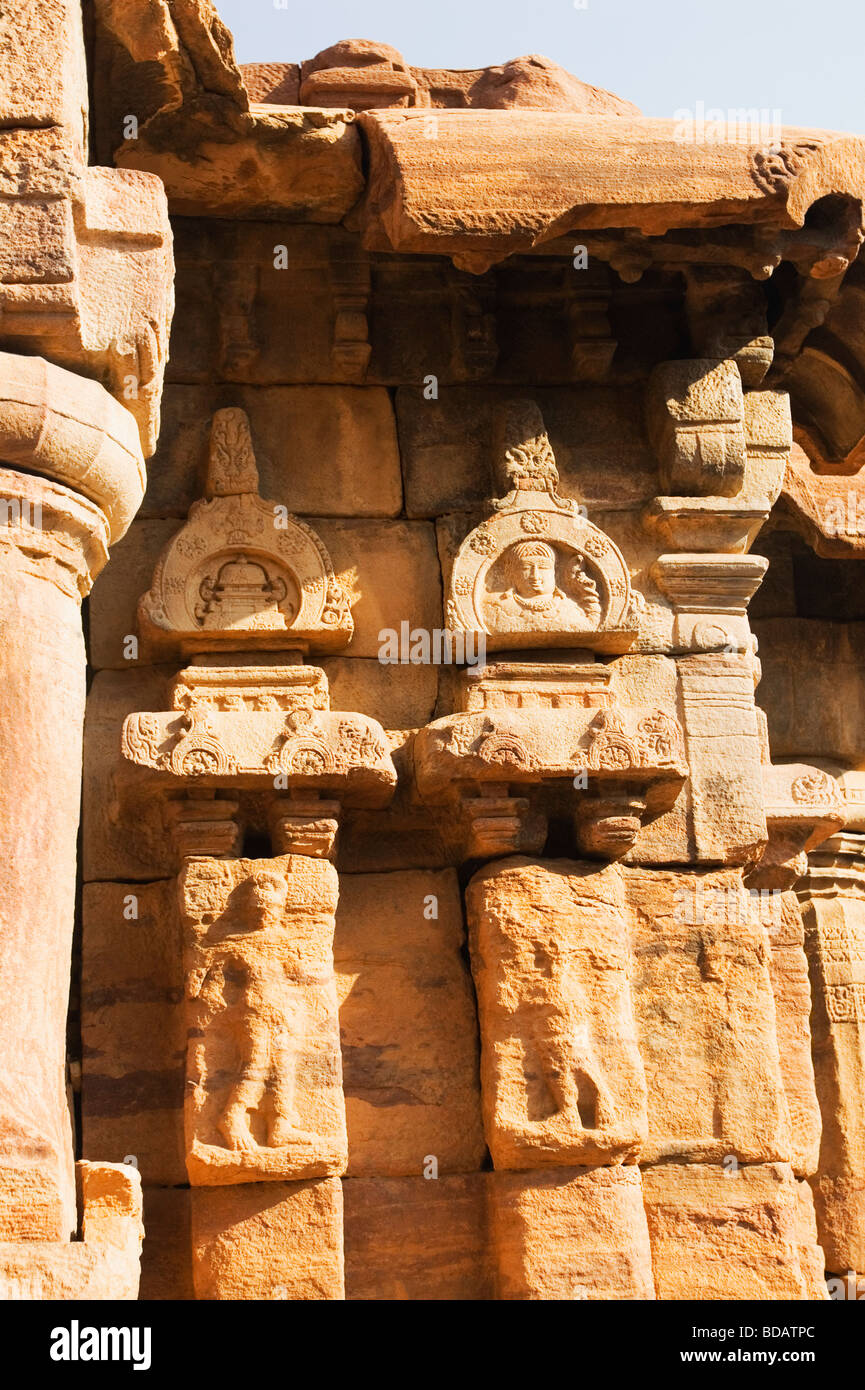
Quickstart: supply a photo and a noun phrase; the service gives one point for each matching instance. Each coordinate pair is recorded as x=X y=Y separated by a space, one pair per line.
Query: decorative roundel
x=247 y=574
x=306 y=757
x=708 y=636
x=504 y=748
x=539 y=570
x=200 y=757
x=613 y=753
x=817 y=787
x=243 y=569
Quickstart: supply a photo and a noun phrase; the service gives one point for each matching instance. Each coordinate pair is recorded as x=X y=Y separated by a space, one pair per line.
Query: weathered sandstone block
x=368 y=686
x=312 y=443
x=669 y=180
x=705 y=1019
x=389 y=571
x=166 y=1255
x=418 y=1238
x=782 y=917
x=696 y=424
x=103 y=1264
x=570 y=1233
x=840 y=1208
x=562 y=1077
x=269 y=1241
x=408 y=1026
x=116 y=846
x=69 y=230
x=812 y=672
x=367 y=75
x=132 y=1028
x=731 y=1232
x=214 y=152
x=447 y=446
x=44 y=81
x=264 y=1075
x=624 y=1012
x=723 y=748
x=833 y=911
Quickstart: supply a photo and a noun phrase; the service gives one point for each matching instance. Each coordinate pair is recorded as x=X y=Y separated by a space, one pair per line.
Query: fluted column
x=71 y=477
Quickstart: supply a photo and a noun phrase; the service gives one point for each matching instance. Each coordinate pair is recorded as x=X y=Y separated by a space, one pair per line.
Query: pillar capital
x=69 y=429
x=51 y=533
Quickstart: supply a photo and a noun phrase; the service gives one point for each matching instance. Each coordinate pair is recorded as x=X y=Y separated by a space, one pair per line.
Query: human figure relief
x=265 y=1014
x=571 y=1077
x=534 y=599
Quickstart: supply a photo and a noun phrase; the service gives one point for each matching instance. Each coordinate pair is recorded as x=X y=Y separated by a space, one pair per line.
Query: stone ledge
x=584 y=172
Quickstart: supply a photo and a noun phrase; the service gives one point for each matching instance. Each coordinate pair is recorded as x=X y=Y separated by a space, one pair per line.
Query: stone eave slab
x=295 y=163
x=481 y=185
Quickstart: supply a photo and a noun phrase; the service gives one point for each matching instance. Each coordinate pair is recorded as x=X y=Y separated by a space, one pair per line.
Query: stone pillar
x=804 y=806
x=833 y=902
x=81 y=479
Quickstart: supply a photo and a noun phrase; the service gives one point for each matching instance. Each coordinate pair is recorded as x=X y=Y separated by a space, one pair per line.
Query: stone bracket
x=540 y=741
x=695 y=417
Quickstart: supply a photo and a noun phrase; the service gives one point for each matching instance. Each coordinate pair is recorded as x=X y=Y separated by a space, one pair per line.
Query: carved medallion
x=537 y=573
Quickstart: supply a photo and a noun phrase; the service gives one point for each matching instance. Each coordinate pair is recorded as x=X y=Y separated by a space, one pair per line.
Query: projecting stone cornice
x=172 y=68
x=476 y=166
x=482 y=185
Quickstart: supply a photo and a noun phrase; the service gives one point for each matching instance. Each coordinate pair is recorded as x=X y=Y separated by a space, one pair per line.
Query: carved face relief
x=533 y=565
x=562 y=584
x=537 y=572
x=267 y=893
x=545 y=586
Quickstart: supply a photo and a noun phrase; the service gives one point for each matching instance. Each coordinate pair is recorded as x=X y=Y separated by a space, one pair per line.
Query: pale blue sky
x=805 y=59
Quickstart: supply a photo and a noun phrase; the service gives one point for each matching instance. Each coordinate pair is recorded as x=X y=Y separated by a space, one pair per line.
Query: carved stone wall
x=472 y=838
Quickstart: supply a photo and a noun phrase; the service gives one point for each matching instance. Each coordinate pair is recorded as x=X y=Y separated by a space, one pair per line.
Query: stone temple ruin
x=470 y=894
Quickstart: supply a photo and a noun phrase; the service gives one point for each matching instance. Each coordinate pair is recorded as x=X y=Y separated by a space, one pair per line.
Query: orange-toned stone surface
x=132 y=1029
x=730 y=1233
x=103 y=1264
x=408 y=1026
x=263 y=1095
x=472 y=841
x=561 y=1069
x=166 y=1255
x=269 y=1241
x=418 y=1238
x=660 y=179
x=571 y=1233
x=83 y=467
